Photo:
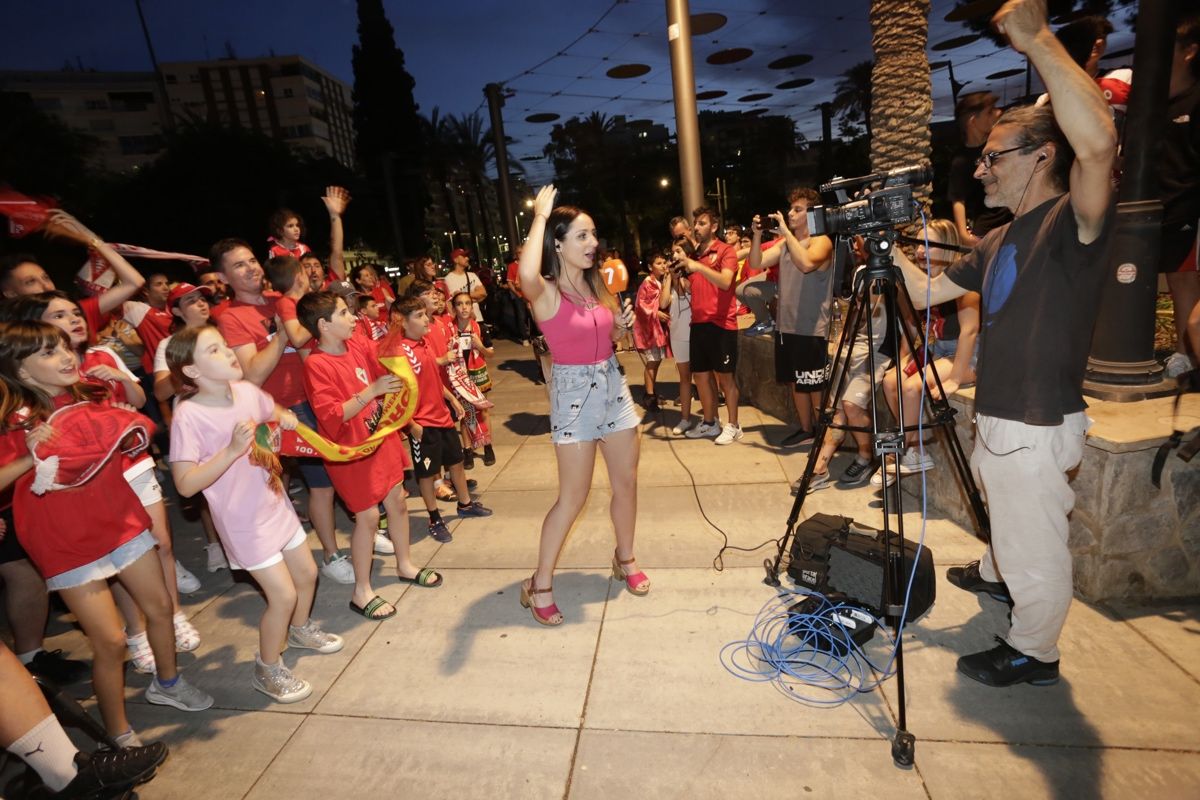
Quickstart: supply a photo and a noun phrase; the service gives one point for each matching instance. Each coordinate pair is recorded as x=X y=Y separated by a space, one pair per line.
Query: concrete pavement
x=463 y=695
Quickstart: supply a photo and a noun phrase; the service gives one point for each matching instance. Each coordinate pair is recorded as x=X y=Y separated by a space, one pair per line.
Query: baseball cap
x=458 y=251
x=343 y=289
x=183 y=289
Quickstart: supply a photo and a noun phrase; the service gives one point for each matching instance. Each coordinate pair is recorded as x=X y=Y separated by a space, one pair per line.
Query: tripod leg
x=824 y=423
x=943 y=415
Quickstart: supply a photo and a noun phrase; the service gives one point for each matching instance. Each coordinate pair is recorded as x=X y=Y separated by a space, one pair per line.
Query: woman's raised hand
x=543 y=203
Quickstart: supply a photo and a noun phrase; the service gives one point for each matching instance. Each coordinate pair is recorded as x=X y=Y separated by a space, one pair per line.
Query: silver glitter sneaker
x=309 y=636
x=277 y=682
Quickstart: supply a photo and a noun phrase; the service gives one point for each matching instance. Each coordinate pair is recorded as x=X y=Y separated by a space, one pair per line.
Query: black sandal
x=373 y=605
x=425 y=578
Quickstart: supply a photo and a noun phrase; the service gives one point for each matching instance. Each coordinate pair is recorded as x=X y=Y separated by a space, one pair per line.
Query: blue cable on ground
x=796 y=652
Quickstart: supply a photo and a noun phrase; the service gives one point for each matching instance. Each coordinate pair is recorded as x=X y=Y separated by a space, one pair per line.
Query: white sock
x=27 y=658
x=49 y=752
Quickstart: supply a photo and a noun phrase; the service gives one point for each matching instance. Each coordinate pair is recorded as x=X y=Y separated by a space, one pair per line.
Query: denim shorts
x=105 y=567
x=589 y=402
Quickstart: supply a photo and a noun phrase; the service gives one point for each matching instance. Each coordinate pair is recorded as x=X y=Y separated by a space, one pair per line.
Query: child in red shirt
x=345 y=384
x=103 y=368
x=434 y=441
x=286 y=229
x=39 y=374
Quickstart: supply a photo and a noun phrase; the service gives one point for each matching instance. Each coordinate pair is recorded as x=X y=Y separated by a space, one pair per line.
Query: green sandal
x=373 y=605
x=426 y=578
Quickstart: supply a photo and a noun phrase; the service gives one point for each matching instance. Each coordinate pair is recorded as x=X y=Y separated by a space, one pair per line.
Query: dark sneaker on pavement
x=968 y=578
x=105 y=772
x=440 y=532
x=1004 y=665
x=797 y=438
x=474 y=509
x=859 y=472
x=56 y=668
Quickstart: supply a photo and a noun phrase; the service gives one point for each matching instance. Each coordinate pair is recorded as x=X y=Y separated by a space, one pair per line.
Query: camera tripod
x=879 y=278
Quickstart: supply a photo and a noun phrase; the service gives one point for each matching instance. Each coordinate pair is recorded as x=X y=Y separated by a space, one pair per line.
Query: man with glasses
x=1040 y=278
x=976 y=114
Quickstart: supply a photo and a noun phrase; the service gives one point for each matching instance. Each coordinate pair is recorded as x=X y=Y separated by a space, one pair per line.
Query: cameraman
x=1040 y=278
x=805 y=297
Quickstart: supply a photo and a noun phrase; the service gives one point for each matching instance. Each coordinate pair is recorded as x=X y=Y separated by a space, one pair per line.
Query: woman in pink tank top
x=590 y=405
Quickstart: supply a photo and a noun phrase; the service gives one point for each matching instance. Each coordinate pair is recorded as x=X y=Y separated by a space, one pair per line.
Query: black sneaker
x=1004 y=665
x=968 y=578
x=468 y=459
x=473 y=509
x=54 y=667
x=797 y=438
x=489 y=455
x=440 y=532
x=106 y=772
x=859 y=472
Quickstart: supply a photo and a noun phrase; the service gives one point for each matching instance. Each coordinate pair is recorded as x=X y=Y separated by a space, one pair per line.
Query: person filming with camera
x=1040 y=279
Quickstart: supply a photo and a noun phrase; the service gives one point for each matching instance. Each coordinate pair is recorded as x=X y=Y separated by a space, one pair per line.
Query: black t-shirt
x=1179 y=161
x=1040 y=292
x=965 y=188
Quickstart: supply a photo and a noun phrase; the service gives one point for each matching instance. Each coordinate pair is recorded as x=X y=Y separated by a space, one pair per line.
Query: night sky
x=453 y=48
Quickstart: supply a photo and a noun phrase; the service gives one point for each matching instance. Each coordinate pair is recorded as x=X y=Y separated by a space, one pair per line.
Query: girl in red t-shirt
x=103 y=368
x=286 y=229
x=39 y=374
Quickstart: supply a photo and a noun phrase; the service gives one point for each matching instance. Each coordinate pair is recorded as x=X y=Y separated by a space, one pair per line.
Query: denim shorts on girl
x=589 y=402
x=106 y=566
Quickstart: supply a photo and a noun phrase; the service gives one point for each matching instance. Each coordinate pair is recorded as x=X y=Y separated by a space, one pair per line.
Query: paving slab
x=386 y=758
x=467 y=652
x=215 y=754
x=954 y=770
x=1173 y=628
x=670 y=765
x=1116 y=689
x=672 y=639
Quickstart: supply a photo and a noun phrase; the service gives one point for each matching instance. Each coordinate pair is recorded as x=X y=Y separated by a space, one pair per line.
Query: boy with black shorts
x=805 y=294
x=435 y=442
x=714 y=327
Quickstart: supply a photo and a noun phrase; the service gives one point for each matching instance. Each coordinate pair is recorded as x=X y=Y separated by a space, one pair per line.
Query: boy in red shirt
x=435 y=443
x=345 y=381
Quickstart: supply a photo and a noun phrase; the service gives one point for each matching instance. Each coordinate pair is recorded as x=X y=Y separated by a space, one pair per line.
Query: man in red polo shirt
x=714 y=326
x=254 y=332
x=151 y=318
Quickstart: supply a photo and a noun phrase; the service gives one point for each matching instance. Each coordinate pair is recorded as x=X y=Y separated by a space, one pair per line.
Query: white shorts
x=297 y=540
x=681 y=329
x=145 y=485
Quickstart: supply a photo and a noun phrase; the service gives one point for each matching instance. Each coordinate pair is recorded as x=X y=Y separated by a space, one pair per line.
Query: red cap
x=458 y=251
x=185 y=288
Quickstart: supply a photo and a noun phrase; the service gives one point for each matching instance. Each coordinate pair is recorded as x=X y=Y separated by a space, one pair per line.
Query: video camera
x=889 y=205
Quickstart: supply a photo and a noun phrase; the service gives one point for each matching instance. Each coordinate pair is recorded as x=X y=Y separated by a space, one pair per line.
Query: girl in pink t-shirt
x=211 y=437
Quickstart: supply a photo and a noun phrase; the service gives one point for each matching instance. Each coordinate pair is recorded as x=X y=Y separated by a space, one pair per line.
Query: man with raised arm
x=1040 y=278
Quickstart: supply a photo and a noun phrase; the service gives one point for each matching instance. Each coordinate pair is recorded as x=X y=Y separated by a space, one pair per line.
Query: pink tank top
x=578 y=335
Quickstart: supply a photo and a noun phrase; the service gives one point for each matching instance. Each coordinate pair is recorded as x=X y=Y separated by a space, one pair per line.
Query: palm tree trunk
x=901 y=95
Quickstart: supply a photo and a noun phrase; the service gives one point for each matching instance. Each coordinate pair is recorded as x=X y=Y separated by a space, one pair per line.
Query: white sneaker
x=277 y=682
x=705 y=430
x=140 y=654
x=913 y=462
x=185 y=580
x=309 y=636
x=878 y=478
x=338 y=569
x=383 y=545
x=730 y=434
x=187 y=638
x=1178 y=364
x=182 y=695
x=216 y=557
x=683 y=427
